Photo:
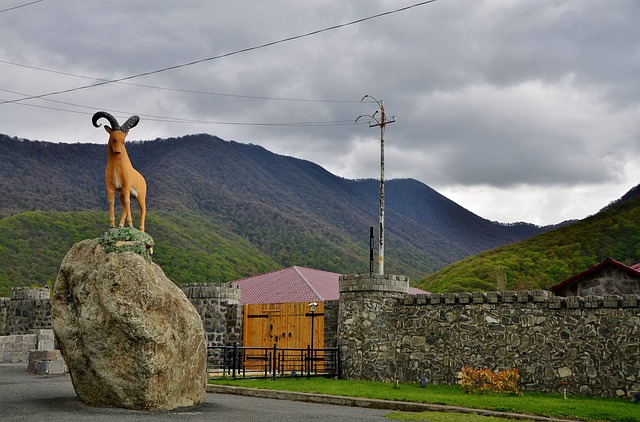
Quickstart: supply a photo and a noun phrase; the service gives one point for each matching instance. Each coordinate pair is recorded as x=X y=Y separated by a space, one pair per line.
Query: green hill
x=549 y=258
x=221 y=210
x=34 y=243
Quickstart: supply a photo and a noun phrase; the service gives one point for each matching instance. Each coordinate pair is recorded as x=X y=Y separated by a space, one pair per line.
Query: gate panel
x=288 y=325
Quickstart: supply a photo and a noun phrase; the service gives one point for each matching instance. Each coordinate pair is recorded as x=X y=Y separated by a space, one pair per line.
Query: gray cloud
x=535 y=102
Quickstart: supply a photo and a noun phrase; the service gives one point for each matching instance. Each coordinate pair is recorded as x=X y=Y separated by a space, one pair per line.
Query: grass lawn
x=551 y=405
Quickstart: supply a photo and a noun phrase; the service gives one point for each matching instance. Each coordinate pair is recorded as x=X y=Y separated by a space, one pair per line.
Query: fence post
x=233 y=359
x=309 y=362
x=274 y=361
x=339 y=362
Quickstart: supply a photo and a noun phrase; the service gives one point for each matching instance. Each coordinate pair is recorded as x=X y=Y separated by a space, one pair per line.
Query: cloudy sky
x=518 y=110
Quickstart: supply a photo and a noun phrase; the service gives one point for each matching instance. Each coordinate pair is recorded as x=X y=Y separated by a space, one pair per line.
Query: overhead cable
x=244 y=50
x=19 y=6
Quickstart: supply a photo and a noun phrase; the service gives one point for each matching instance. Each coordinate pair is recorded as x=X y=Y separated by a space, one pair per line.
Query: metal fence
x=271 y=362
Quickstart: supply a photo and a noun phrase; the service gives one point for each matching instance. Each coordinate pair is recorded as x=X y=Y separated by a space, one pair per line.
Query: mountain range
x=221 y=210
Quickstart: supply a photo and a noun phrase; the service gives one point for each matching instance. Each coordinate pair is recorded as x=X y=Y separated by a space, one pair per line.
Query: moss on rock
x=122 y=239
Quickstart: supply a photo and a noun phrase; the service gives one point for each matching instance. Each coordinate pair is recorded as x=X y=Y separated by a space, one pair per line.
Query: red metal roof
x=293 y=284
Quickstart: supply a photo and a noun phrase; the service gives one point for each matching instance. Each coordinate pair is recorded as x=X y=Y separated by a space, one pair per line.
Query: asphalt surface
x=25 y=397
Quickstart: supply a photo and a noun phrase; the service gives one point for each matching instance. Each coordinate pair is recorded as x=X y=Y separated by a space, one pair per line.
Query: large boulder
x=129 y=336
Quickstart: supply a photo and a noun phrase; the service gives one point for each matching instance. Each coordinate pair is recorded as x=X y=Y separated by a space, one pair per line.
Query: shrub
x=484 y=380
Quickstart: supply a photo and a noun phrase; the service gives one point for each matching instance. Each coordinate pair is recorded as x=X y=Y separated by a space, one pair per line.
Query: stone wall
x=331 y=324
x=37 y=349
x=607 y=280
x=366 y=341
x=589 y=342
x=4 y=318
x=27 y=309
x=220 y=309
x=16 y=348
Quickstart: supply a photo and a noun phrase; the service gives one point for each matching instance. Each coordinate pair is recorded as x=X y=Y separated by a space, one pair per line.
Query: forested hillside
x=547 y=259
x=222 y=210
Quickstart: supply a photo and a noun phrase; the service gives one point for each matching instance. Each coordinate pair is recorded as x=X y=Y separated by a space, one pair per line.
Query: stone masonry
x=220 y=309
x=44 y=357
x=331 y=314
x=609 y=279
x=36 y=349
x=16 y=348
x=590 y=342
x=27 y=309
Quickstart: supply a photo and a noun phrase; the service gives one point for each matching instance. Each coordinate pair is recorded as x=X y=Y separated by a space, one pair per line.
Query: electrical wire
x=169 y=119
x=244 y=50
x=19 y=6
x=188 y=91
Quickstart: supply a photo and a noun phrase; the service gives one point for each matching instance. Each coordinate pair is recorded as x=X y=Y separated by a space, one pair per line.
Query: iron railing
x=271 y=362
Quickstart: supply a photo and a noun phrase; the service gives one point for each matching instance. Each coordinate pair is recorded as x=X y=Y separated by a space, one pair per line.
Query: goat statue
x=120 y=175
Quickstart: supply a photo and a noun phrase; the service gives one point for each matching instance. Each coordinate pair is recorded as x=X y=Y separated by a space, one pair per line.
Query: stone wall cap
x=376 y=282
x=543 y=298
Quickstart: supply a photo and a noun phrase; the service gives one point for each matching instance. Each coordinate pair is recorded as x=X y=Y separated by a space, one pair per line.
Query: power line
x=244 y=50
x=188 y=91
x=169 y=119
x=22 y=5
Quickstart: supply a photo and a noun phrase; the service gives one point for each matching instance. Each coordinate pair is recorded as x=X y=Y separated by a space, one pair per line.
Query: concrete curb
x=370 y=403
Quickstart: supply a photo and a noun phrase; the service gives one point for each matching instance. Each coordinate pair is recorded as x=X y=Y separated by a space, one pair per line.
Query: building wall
x=589 y=342
x=607 y=280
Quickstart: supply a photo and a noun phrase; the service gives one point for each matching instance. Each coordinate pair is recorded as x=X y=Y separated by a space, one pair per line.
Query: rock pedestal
x=129 y=336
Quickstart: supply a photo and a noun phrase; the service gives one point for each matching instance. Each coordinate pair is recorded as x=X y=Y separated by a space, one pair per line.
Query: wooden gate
x=288 y=325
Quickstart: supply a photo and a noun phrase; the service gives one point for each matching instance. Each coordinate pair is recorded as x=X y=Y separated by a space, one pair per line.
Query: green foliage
x=33 y=244
x=222 y=210
x=192 y=249
x=123 y=239
x=549 y=258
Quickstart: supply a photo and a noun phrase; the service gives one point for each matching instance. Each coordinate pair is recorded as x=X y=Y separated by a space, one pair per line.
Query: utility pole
x=381 y=122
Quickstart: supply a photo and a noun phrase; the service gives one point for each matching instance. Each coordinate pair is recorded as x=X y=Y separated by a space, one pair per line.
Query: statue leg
x=125 y=200
x=112 y=218
x=143 y=209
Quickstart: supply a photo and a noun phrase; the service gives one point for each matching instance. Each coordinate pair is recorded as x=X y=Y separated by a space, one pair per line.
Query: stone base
x=46 y=362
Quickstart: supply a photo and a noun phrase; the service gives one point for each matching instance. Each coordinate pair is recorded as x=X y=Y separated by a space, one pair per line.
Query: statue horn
x=130 y=123
x=112 y=120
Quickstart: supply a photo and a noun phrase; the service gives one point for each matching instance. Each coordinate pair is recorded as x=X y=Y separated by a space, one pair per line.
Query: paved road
x=34 y=397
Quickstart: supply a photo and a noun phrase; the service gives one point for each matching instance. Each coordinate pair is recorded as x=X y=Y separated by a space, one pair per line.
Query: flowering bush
x=483 y=380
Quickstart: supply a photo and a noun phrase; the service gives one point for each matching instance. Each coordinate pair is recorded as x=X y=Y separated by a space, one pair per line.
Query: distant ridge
x=222 y=210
